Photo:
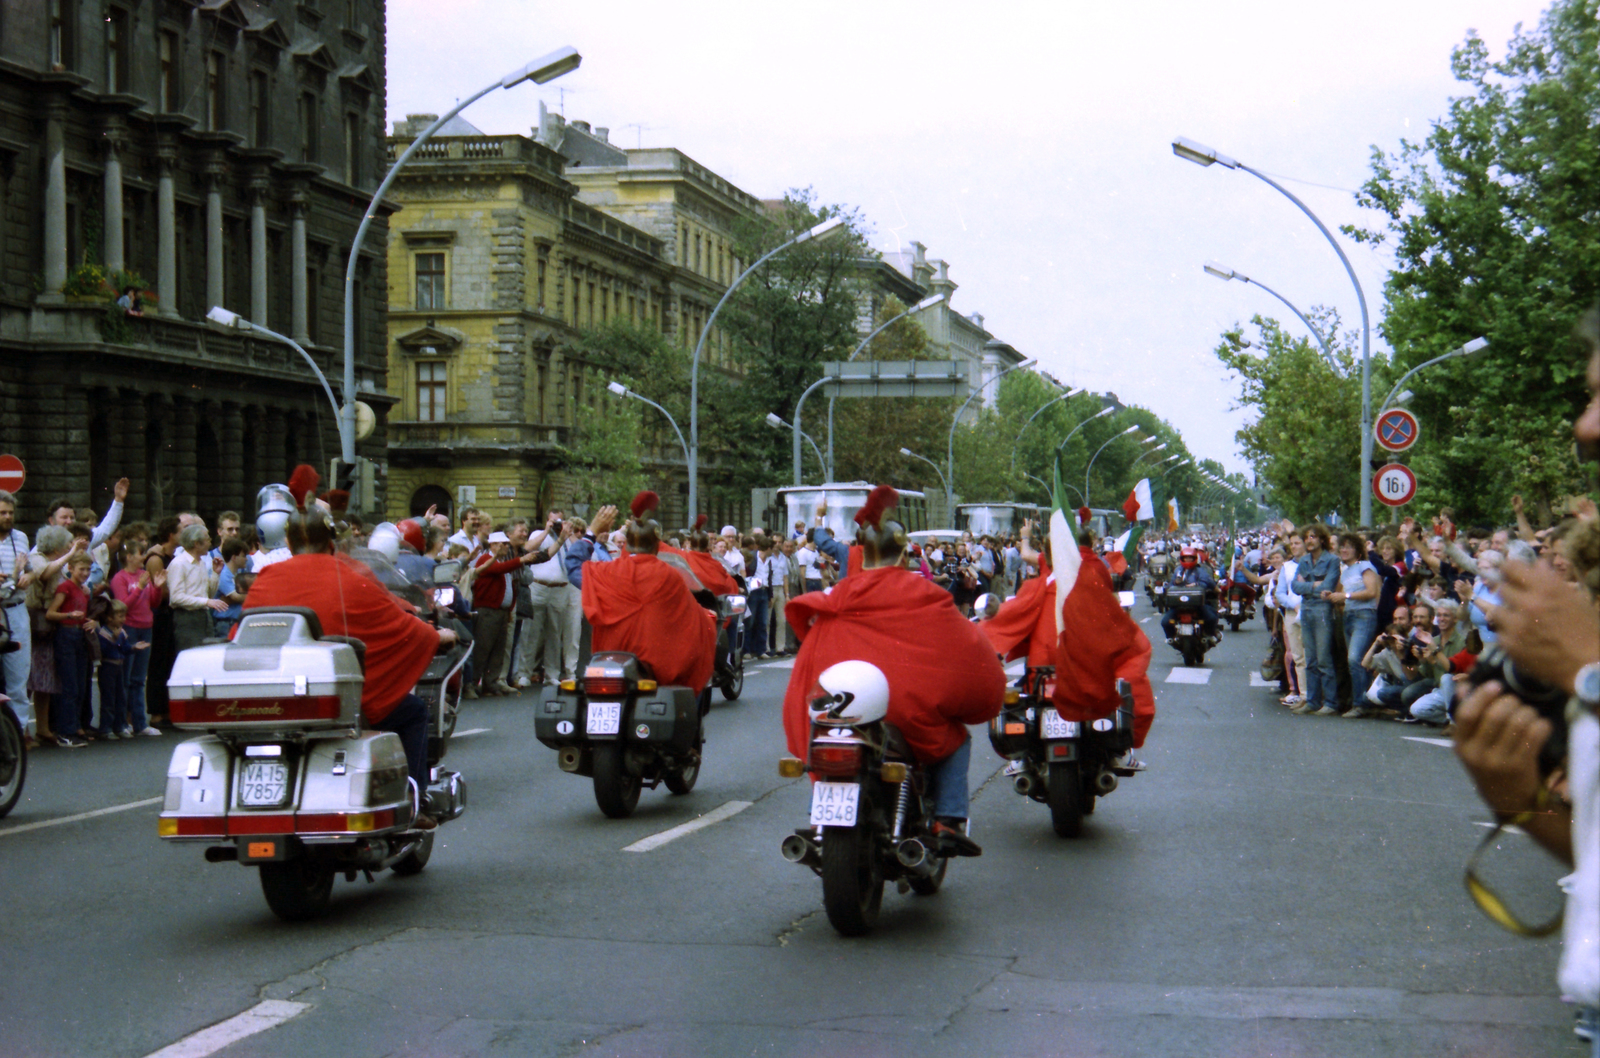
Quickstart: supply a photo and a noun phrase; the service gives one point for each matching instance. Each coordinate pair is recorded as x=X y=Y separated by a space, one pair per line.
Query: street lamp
x=1477 y=345
x=1132 y=429
x=623 y=391
x=936 y=470
x=541 y=70
x=1050 y=496
x=1200 y=154
x=1097 y=415
x=776 y=422
x=1152 y=452
x=926 y=303
x=1035 y=415
x=832 y=224
x=1224 y=273
x=950 y=450
x=218 y=314
x=1174 y=466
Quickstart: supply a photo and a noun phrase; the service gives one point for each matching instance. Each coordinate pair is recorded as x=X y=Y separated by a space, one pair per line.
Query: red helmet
x=1187 y=558
x=411 y=534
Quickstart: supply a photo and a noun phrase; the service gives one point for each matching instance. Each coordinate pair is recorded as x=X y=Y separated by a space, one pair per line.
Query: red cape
x=640 y=604
x=943 y=674
x=1026 y=623
x=350 y=602
x=1099 y=645
x=709 y=568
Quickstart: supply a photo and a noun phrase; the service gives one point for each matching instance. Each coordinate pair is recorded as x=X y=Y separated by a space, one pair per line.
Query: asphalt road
x=1273 y=885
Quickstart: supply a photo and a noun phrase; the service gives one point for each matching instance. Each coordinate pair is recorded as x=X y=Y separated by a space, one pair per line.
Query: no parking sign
x=1396 y=430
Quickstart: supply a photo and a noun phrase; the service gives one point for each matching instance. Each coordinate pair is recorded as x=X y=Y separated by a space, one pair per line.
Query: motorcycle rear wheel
x=733 y=683
x=413 y=861
x=852 y=879
x=681 y=780
x=13 y=760
x=297 y=889
x=615 y=791
x=1066 y=800
x=1233 y=623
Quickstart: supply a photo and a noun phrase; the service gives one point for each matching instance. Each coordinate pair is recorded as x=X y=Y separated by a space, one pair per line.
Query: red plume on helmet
x=1083 y=516
x=699 y=522
x=879 y=500
x=302 y=483
x=643 y=503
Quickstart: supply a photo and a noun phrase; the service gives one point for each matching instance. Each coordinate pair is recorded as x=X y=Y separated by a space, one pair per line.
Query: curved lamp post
x=1477 y=345
x=950 y=449
x=1035 y=415
x=1135 y=428
x=548 y=68
x=1097 y=415
x=776 y=422
x=925 y=303
x=623 y=391
x=1151 y=452
x=1048 y=495
x=218 y=314
x=1200 y=154
x=1224 y=273
x=832 y=224
x=936 y=470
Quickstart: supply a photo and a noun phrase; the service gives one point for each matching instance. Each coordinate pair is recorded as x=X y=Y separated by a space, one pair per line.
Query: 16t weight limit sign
x=1394 y=484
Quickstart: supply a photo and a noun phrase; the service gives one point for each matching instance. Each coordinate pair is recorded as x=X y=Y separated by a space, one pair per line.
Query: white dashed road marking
x=267 y=1014
x=1445 y=742
x=81 y=815
x=472 y=731
x=716 y=815
x=1188 y=676
x=1257 y=681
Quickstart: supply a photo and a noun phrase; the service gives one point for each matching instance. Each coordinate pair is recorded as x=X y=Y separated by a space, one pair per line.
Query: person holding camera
x=1549 y=632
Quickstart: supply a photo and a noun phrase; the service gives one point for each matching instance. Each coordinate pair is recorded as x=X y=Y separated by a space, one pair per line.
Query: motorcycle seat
x=895 y=746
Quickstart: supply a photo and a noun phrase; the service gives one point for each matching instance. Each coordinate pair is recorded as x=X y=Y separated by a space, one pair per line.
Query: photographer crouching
x=1550 y=634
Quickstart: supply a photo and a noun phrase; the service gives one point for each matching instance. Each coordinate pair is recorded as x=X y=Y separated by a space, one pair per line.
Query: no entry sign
x=1394 y=484
x=12 y=473
x=1396 y=430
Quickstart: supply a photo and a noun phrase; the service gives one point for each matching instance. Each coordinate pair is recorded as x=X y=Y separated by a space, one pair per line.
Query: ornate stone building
x=506 y=249
x=213 y=152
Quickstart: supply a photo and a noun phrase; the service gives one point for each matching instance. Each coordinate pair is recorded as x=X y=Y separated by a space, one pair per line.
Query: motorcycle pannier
x=277 y=675
x=1186 y=595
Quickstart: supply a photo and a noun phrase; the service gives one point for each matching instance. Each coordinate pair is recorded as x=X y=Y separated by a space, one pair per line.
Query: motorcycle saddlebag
x=1186 y=595
x=668 y=717
x=1008 y=731
x=558 y=721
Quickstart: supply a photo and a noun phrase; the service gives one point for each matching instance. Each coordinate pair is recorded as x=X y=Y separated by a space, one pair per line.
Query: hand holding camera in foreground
x=1551 y=630
x=1498 y=740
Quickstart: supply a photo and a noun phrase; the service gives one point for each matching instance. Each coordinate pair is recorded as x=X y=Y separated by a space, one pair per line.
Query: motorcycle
x=1240 y=605
x=284 y=778
x=618 y=727
x=728 y=673
x=1065 y=764
x=871 y=815
x=1155 y=580
x=1189 y=637
x=13 y=757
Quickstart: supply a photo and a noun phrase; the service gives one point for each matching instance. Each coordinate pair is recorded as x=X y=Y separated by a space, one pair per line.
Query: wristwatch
x=1587 y=685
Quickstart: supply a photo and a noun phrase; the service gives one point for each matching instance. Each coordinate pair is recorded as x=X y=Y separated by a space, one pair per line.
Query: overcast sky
x=1026 y=143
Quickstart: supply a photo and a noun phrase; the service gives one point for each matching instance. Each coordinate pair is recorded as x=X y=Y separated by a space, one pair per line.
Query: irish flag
x=1138 y=506
x=1172 y=515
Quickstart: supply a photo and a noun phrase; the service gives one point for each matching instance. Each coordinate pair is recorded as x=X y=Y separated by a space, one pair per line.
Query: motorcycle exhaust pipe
x=222 y=854
x=1024 y=784
x=1105 y=782
x=569 y=758
x=913 y=856
x=797 y=849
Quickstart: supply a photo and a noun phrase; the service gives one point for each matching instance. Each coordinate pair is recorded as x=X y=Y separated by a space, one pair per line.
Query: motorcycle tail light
x=609 y=685
x=834 y=760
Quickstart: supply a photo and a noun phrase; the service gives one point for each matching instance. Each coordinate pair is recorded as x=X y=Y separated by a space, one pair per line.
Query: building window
x=430 y=281
x=431 y=384
x=116 y=50
x=542 y=267
x=260 y=108
x=697 y=253
x=216 y=91
x=168 y=48
x=352 y=149
x=591 y=304
x=63 y=35
x=313 y=301
x=310 y=122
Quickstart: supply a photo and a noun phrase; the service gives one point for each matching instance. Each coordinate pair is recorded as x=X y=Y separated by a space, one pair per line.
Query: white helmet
x=385 y=540
x=274 y=507
x=851 y=692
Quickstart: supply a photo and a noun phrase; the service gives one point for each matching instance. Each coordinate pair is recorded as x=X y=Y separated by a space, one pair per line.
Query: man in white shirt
x=13 y=598
x=64 y=514
x=781 y=562
x=1289 y=603
x=808 y=559
x=467 y=535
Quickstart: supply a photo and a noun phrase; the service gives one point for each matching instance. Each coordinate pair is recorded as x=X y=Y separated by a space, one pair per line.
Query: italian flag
x=1139 y=507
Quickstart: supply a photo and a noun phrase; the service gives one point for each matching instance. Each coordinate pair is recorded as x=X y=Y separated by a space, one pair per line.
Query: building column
x=159 y=490
x=299 y=322
x=55 y=199
x=234 y=491
x=114 y=250
x=181 y=449
x=258 y=253
x=214 y=288
x=128 y=416
x=166 y=234
x=274 y=428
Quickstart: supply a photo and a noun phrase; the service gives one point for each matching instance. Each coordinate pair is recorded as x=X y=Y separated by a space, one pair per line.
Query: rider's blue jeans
x=948 y=778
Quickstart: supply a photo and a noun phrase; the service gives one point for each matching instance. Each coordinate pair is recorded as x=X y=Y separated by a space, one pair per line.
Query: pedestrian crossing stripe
x=1445 y=742
x=1195 y=676
x=1257 y=681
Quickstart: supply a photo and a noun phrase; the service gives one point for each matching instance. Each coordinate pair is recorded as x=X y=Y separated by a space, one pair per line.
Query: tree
x=1305 y=439
x=1493 y=219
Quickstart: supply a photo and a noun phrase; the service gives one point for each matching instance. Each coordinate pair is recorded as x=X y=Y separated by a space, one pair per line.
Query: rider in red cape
x=1025 y=625
x=943 y=674
x=642 y=605
x=712 y=573
x=1100 y=644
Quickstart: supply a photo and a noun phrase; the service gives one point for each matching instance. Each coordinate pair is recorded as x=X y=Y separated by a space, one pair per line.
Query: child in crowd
x=235 y=560
x=116 y=649
x=140 y=594
x=68 y=612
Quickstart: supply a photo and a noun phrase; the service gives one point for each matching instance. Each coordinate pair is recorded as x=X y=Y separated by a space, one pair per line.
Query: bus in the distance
x=776 y=510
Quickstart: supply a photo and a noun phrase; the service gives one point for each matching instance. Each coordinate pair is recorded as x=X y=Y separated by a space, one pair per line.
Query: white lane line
x=1445 y=742
x=472 y=731
x=81 y=815
x=716 y=815
x=1188 y=676
x=1507 y=829
x=1257 y=681
x=1144 y=620
x=266 y=1014
x=786 y=663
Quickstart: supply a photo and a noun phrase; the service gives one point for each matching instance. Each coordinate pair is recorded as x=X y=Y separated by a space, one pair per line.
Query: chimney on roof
x=582 y=126
x=921 y=270
x=414 y=124
x=977 y=317
x=939 y=279
x=603 y=135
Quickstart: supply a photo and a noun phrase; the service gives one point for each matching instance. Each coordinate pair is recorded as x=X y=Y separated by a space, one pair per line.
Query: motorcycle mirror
x=447 y=571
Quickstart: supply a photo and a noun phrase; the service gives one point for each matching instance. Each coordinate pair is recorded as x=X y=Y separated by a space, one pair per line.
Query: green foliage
x=607 y=447
x=1495 y=223
x=88 y=280
x=1305 y=438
